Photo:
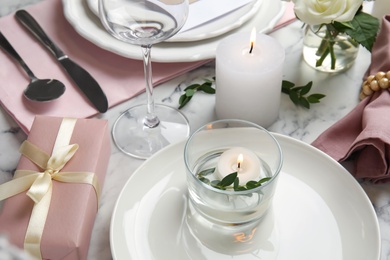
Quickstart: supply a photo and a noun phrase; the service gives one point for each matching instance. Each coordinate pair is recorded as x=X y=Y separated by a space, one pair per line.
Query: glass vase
x=327 y=50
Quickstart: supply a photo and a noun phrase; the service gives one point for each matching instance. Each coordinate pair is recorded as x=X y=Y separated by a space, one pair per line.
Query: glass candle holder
x=232 y=168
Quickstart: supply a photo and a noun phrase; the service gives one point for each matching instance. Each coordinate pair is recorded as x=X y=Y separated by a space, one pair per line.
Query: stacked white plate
x=193 y=45
x=319 y=212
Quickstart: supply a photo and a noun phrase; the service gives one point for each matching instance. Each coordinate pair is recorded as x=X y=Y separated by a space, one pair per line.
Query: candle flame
x=252 y=39
x=240 y=159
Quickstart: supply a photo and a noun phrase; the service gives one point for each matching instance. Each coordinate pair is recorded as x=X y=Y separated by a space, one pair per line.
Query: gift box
x=74 y=203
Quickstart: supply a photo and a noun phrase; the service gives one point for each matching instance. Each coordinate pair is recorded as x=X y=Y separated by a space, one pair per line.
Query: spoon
x=37 y=89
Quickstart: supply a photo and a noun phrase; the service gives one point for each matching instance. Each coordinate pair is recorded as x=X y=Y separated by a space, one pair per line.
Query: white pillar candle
x=240 y=160
x=248 y=83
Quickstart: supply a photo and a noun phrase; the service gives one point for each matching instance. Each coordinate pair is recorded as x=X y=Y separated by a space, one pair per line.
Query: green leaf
x=236 y=183
x=240 y=188
x=297 y=89
x=206 y=87
x=205 y=180
x=264 y=180
x=342 y=26
x=365 y=29
x=190 y=92
x=184 y=100
x=303 y=102
x=252 y=184
x=315 y=98
x=294 y=97
x=228 y=180
x=286 y=86
x=215 y=184
x=306 y=88
x=206 y=172
x=193 y=86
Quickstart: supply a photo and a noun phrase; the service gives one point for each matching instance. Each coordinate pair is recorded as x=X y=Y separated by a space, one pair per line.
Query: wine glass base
x=134 y=138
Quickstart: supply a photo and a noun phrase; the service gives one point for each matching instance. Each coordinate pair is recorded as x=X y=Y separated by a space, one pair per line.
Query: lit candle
x=240 y=160
x=249 y=72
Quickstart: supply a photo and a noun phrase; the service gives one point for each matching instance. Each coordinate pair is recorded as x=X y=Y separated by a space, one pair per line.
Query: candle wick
x=238 y=165
x=250 y=50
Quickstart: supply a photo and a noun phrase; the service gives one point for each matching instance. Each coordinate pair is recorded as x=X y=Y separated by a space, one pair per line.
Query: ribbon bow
x=39 y=184
x=55 y=163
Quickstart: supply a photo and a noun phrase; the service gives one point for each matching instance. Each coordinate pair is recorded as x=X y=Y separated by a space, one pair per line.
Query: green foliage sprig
x=297 y=94
x=189 y=91
x=229 y=180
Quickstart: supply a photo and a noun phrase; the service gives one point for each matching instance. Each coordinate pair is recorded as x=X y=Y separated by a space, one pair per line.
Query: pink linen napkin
x=288 y=16
x=120 y=78
x=363 y=135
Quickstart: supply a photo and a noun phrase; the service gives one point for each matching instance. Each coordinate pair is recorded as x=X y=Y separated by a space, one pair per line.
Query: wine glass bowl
x=143 y=22
x=142 y=130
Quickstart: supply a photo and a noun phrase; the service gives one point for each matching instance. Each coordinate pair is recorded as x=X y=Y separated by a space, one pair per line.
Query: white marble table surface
x=341 y=97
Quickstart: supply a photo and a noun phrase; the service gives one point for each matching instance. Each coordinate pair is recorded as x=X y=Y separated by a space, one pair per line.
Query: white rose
x=314 y=12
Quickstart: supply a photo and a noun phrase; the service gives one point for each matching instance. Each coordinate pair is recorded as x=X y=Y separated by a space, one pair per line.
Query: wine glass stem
x=151 y=120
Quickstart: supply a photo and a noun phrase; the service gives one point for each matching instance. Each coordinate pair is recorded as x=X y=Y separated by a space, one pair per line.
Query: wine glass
x=144 y=129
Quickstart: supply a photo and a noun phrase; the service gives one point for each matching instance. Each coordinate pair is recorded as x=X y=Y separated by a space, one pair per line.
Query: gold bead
x=370 y=78
x=367 y=90
x=380 y=75
x=384 y=83
x=380 y=80
x=374 y=85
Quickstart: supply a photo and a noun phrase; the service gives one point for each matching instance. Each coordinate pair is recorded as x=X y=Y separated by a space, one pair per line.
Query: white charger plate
x=319 y=212
x=89 y=26
x=213 y=28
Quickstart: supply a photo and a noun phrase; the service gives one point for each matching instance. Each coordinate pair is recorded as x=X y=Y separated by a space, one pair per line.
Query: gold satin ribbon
x=39 y=184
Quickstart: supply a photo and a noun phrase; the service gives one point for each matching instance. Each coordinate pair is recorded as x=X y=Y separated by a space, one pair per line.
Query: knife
x=86 y=83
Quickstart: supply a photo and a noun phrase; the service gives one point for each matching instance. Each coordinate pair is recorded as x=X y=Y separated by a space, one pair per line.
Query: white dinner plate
x=213 y=28
x=88 y=25
x=319 y=212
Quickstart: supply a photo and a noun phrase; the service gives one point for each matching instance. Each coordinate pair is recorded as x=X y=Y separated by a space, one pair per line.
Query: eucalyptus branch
x=190 y=91
x=297 y=94
x=229 y=180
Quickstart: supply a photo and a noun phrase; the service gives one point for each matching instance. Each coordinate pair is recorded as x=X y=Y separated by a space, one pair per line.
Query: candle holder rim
x=233 y=192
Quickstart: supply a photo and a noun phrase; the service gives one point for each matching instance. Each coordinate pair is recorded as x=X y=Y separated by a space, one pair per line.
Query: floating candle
x=240 y=160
